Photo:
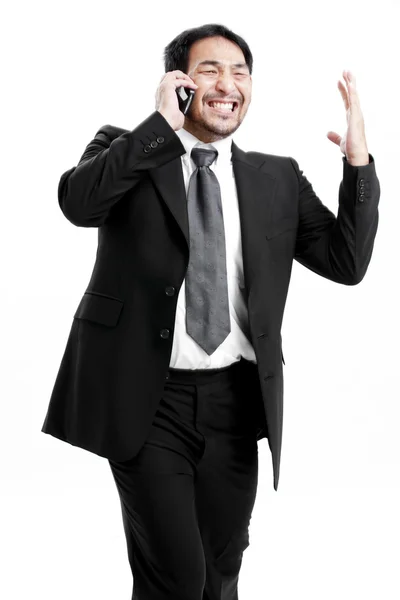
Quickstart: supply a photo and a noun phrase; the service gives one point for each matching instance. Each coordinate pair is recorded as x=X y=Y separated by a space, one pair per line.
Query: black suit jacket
x=129 y=184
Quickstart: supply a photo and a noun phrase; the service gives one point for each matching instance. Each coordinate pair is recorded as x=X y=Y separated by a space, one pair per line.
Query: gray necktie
x=206 y=286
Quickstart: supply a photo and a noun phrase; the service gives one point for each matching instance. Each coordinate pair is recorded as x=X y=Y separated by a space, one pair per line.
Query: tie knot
x=202 y=157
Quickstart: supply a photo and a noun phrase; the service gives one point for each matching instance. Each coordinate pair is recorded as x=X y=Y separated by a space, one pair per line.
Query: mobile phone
x=185 y=97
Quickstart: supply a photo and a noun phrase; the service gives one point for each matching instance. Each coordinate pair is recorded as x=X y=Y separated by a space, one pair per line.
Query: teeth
x=222 y=105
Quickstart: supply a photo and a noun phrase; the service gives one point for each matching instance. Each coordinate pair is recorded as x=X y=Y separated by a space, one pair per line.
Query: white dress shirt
x=186 y=353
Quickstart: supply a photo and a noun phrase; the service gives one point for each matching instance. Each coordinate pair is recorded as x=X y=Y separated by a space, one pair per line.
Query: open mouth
x=224 y=110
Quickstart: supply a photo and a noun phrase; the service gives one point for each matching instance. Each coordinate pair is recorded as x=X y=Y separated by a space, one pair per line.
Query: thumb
x=334 y=137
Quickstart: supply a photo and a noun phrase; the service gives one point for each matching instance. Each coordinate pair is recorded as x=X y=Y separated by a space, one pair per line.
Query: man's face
x=224 y=81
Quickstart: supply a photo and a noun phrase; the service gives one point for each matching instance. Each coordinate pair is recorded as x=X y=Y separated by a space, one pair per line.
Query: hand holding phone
x=174 y=96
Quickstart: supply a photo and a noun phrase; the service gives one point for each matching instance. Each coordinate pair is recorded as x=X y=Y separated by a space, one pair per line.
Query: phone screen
x=185 y=97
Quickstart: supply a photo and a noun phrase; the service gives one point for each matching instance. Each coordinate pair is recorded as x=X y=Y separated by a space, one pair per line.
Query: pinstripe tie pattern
x=206 y=284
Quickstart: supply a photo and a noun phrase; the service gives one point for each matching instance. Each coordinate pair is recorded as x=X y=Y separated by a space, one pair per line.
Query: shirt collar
x=189 y=141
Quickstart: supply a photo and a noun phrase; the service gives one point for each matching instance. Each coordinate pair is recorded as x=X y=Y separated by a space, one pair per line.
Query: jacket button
x=164 y=333
x=361 y=198
x=362 y=181
x=160 y=139
x=170 y=290
x=154 y=144
x=147 y=148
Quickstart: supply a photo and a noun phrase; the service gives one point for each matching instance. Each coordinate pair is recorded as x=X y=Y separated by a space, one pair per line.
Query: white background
x=331 y=530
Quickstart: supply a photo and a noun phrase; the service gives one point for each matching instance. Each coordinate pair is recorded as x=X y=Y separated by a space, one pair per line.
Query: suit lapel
x=256 y=193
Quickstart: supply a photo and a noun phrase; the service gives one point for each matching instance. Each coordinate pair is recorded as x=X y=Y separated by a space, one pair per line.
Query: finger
x=334 y=137
x=351 y=78
x=351 y=87
x=344 y=94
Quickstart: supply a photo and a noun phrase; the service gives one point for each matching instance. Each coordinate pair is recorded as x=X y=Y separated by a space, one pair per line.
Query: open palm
x=353 y=143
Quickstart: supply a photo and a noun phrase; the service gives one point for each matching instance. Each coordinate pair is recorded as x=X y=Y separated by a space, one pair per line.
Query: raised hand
x=353 y=144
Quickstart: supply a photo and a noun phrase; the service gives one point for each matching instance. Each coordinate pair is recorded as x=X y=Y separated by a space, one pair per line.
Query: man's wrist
x=358 y=161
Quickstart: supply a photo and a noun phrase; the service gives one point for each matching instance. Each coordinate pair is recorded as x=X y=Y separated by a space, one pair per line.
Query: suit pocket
x=281 y=226
x=99 y=308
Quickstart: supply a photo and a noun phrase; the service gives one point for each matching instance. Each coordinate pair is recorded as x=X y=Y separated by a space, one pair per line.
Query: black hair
x=176 y=53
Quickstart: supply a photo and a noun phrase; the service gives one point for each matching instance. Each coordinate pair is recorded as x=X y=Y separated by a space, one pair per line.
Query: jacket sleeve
x=339 y=248
x=113 y=163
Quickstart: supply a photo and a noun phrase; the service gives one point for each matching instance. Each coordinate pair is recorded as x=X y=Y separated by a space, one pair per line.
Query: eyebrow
x=217 y=63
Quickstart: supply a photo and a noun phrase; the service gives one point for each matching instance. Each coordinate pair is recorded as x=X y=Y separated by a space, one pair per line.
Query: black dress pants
x=188 y=495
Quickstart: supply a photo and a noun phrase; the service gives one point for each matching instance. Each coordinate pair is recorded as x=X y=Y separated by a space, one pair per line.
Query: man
x=173 y=366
